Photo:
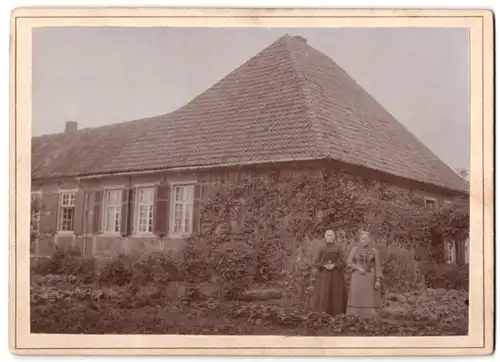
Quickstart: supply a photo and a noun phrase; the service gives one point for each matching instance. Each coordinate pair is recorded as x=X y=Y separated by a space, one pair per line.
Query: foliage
x=400 y=269
x=60 y=305
x=233 y=263
x=117 y=271
x=281 y=218
x=446 y=276
x=36 y=208
x=270 y=229
x=428 y=305
x=65 y=262
x=195 y=263
x=463 y=173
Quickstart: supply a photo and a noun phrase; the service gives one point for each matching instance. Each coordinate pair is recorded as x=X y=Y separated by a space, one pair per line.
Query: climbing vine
x=276 y=219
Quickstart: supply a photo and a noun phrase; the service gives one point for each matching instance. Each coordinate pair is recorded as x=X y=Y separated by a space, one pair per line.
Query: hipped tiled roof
x=288 y=102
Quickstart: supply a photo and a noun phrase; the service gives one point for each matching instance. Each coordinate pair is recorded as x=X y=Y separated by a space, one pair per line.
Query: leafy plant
x=446 y=276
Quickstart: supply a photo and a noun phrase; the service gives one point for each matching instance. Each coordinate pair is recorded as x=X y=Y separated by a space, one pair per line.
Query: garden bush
x=195 y=263
x=65 y=262
x=446 y=276
x=158 y=267
x=116 y=271
x=235 y=265
x=69 y=308
x=400 y=270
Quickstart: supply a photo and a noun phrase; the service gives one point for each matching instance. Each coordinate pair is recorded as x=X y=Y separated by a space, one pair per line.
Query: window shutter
x=161 y=217
x=97 y=211
x=197 y=208
x=79 y=207
x=131 y=209
x=124 y=213
x=49 y=212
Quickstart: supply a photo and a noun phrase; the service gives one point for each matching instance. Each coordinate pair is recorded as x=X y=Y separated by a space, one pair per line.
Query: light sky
x=102 y=75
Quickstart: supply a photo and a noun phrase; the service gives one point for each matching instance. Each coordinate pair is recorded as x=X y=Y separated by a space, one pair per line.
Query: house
x=136 y=185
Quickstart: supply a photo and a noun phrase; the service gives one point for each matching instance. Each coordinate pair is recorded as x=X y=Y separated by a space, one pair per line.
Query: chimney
x=300 y=38
x=71 y=126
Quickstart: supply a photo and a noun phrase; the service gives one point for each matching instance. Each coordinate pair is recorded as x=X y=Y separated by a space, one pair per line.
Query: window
x=430 y=203
x=182 y=219
x=112 y=211
x=67 y=208
x=450 y=252
x=145 y=202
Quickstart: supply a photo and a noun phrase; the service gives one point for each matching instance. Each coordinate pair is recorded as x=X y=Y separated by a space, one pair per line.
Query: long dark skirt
x=330 y=293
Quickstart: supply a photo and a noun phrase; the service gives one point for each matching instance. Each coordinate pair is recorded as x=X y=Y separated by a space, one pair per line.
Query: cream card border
x=480 y=338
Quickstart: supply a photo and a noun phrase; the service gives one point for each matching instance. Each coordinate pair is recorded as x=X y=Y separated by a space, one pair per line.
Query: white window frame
x=451 y=252
x=173 y=203
x=104 y=211
x=137 y=205
x=60 y=211
x=433 y=199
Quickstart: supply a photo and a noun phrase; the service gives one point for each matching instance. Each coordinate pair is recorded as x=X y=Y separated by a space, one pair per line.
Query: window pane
x=146 y=195
x=117 y=223
x=114 y=197
x=189 y=193
x=68 y=199
x=145 y=218
x=67 y=219
x=430 y=204
x=187 y=218
x=178 y=218
x=178 y=193
x=150 y=218
x=142 y=226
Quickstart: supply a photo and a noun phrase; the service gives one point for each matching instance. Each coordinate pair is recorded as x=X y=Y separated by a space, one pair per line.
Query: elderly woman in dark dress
x=330 y=293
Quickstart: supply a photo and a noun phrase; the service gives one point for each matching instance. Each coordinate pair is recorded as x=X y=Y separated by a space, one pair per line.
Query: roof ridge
x=306 y=100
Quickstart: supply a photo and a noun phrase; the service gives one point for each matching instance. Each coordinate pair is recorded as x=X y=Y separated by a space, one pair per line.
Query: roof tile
x=290 y=101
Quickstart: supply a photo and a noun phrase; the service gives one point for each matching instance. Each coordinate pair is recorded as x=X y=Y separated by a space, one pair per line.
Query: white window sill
x=179 y=236
x=65 y=233
x=110 y=235
x=143 y=235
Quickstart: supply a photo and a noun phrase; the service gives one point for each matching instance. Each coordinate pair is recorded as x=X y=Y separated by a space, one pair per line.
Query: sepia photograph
x=293 y=181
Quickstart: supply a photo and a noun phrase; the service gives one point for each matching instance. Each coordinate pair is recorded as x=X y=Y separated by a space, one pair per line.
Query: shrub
x=195 y=263
x=400 y=269
x=446 y=276
x=66 y=262
x=156 y=267
x=117 y=271
x=235 y=264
